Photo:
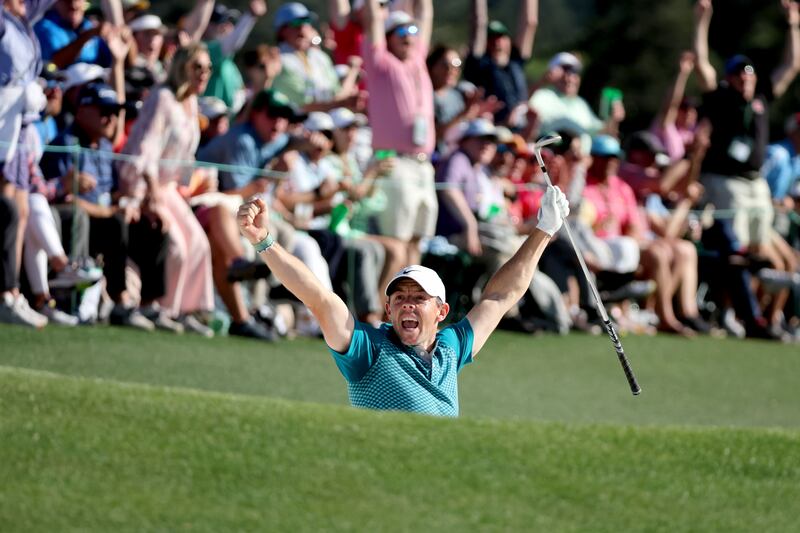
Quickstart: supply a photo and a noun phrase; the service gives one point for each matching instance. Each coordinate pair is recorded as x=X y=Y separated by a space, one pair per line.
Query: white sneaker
x=15 y=310
x=192 y=325
x=57 y=316
x=76 y=276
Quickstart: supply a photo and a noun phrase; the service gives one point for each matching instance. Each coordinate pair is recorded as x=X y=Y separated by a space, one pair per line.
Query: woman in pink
x=617 y=213
x=164 y=139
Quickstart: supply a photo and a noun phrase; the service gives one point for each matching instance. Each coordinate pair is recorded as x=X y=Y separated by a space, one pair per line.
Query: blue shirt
x=99 y=163
x=55 y=33
x=241 y=146
x=382 y=373
x=781 y=169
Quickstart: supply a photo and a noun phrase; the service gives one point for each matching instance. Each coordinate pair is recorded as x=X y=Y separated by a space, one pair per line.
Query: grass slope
x=572 y=379
x=97 y=455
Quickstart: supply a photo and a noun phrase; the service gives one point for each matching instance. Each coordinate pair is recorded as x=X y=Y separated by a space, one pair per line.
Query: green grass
x=98 y=455
x=107 y=429
x=569 y=379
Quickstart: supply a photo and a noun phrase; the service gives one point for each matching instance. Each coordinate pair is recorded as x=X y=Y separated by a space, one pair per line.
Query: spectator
x=782 y=165
x=67 y=36
x=736 y=109
x=261 y=66
x=148 y=33
x=308 y=77
x=347 y=23
x=224 y=39
x=676 y=120
x=21 y=100
x=116 y=230
x=401 y=115
x=215 y=113
x=559 y=106
x=498 y=65
x=168 y=129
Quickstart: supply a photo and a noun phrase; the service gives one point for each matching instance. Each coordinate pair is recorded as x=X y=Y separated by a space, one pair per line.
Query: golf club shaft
x=610 y=329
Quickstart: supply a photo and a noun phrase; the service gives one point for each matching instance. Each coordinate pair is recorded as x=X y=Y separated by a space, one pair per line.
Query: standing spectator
x=148 y=33
x=21 y=100
x=168 y=128
x=559 y=106
x=497 y=64
x=401 y=115
x=736 y=109
x=261 y=66
x=676 y=120
x=347 y=23
x=224 y=39
x=308 y=77
x=67 y=36
x=782 y=165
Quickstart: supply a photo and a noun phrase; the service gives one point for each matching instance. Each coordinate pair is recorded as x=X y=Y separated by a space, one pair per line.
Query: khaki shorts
x=750 y=201
x=411 y=196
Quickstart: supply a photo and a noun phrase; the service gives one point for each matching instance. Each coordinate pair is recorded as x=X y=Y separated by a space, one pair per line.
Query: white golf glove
x=553 y=211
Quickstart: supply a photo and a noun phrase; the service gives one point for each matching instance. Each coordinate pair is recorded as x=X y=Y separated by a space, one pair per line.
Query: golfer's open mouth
x=409 y=323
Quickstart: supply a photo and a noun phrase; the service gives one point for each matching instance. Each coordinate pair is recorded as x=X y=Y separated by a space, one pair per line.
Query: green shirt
x=382 y=373
x=226 y=81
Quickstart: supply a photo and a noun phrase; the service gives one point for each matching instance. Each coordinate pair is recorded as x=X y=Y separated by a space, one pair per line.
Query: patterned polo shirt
x=382 y=373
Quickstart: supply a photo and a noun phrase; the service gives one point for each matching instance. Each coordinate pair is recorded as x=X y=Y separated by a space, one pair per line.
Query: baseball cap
x=343 y=118
x=504 y=135
x=479 y=127
x=565 y=60
x=738 y=63
x=82 y=73
x=497 y=28
x=292 y=11
x=222 y=14
x=397 y=19
x=319 y=121
x=277 y=105
x=605 y=146
x=147 y=22
x=428 y=279
x=648 y=141
x=99 y=94
x=212 y=107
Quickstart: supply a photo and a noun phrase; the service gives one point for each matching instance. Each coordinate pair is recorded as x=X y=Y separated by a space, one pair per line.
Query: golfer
x=408 y=365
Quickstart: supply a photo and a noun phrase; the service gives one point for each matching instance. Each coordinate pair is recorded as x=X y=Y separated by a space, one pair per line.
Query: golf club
x=612 y=332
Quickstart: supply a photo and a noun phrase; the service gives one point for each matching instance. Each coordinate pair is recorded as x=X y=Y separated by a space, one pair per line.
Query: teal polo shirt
x=382 y=373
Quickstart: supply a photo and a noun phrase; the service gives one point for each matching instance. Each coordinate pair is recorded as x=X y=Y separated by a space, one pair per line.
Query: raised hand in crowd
x=257 y=8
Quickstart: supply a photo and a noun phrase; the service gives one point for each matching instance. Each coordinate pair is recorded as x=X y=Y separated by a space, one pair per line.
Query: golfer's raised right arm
x=334 y=317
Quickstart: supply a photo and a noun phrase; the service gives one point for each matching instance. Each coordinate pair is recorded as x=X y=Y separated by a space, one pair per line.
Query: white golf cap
x=565 y=59
x=343 y=118
x=319 y=121
x=428 y=279
x=82 y=73
x=479 y=127
x=397 y=19
x=146 y=22
x=212 y=107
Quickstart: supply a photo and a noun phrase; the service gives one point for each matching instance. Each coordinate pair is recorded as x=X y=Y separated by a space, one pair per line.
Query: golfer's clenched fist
x=253 y=218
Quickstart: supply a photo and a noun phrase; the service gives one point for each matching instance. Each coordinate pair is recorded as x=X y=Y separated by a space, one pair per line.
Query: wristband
x=264 y=245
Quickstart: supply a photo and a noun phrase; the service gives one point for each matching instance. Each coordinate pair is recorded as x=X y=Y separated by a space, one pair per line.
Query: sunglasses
x=200 y=68
x=405 y=31
x=298 y=23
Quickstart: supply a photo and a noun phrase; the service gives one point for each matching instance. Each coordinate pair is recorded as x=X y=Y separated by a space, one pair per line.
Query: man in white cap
x=407 y=365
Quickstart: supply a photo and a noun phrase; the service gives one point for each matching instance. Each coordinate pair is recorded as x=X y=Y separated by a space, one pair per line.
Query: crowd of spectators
x=127 y=144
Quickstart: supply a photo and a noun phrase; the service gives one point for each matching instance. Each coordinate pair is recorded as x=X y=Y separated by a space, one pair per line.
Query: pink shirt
x=616 y=211
x=399 y=91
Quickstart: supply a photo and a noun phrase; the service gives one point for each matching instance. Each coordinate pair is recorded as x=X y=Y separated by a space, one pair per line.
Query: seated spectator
x=473 y=216
x=216 y=123
x=616 y=213
x=308 y=77
x=497 y=64
x=116 y=229
x=168 y=129
x=559 y=106
x=66 y=36
x=311 y=193
x=782 y=165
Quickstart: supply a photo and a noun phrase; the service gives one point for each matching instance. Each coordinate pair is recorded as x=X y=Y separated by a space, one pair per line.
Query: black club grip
x=626 y=366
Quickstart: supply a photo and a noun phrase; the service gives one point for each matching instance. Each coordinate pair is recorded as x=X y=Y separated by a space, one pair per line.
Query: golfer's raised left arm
x=509 y=283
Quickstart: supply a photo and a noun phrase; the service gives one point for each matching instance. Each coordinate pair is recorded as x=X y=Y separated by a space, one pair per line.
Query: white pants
x=42 y=241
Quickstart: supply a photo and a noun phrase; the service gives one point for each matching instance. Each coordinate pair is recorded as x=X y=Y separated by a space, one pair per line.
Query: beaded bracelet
x=264 y=245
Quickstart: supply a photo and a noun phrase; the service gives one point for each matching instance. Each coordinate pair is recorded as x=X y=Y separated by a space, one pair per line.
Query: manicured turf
x=94 y=455
x=569 y=379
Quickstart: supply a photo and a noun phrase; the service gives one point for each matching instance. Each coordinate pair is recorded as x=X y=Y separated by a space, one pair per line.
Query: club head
x=547 y=140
